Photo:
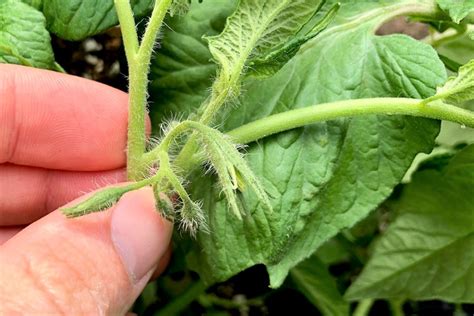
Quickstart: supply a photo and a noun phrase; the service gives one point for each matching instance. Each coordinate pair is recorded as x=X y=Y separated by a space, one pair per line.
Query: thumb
x=96 y=264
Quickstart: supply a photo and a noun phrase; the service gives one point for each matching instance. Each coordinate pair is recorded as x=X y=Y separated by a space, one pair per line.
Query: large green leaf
x=428 y=252
x=312 y=278
x=24 y=39
x=327 y=176
x=457 y=9
x=77 y=19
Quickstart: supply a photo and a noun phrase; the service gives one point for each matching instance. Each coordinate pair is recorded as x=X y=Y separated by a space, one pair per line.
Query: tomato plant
x=284 y=133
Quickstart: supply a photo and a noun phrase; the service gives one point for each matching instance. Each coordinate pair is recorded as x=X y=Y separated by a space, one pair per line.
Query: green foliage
x=460 y=88
x=231 y=168
x=327 y=176
x=302 y=183
x=24 y=39
x=312 y=278
x=428 y=252
x=274 y=60
x=180 y=7
x=38 y=4
x=460 y=49
x=255 y=29
x=457 y=9
x=183 y=70
x=78 y=19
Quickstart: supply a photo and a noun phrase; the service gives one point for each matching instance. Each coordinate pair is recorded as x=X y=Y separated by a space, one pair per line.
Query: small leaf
x=24 y=39
x=100 y=201
x=264 y=66
x=312 y=278
x=224 y=172
x=231 y=168
x=457 y=9
x=428 y=252
x=255 y=29
x=458 y=89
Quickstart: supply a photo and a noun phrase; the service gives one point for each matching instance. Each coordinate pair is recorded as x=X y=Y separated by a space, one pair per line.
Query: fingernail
x=140 y=235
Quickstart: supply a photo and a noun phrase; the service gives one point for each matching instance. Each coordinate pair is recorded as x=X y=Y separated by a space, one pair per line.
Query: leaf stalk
x=349 y=108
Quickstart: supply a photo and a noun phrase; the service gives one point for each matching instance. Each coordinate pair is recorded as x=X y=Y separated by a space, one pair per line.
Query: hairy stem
x=210 y=109
x=153 y=155
x=151 y=32
x=349 y=108
x=138 y=77
x=138 y=57
x=127 y=25
x=329 y=111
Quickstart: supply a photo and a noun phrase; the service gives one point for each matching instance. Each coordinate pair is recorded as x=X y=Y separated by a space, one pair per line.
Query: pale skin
x=61 y=136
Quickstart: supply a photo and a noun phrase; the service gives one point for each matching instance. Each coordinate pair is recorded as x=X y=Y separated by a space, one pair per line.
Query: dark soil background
x=101 y=58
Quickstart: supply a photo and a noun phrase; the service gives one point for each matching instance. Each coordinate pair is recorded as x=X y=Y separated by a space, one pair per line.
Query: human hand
x=60 y=136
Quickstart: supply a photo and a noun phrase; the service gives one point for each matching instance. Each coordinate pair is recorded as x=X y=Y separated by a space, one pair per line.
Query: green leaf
x=460 y=88
x=460 y=50
x=328 y=176
x=255 y=29
x=179 y=7
x=428 y=252
x=38 y=4
x=24 y=39
x=457 y=9
x=274 y=60
x=324 y=177
x=183 y=70
x=231 y=168
x=78 y=19
x=312 y=278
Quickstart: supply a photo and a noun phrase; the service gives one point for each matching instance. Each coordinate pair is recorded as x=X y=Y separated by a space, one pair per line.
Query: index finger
x=58 y=121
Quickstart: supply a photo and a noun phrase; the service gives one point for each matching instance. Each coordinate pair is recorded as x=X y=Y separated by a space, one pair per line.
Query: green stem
x=138 y=78
x=138 y=57
x=437 y=40
x=329 y=111
x=218 y=98
x=349 y=108
x=210 y=109
x=128 y=28
x=151 y=32
x=154 y=155
x=181 y=302
x=396 y=306
x=363 y=308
